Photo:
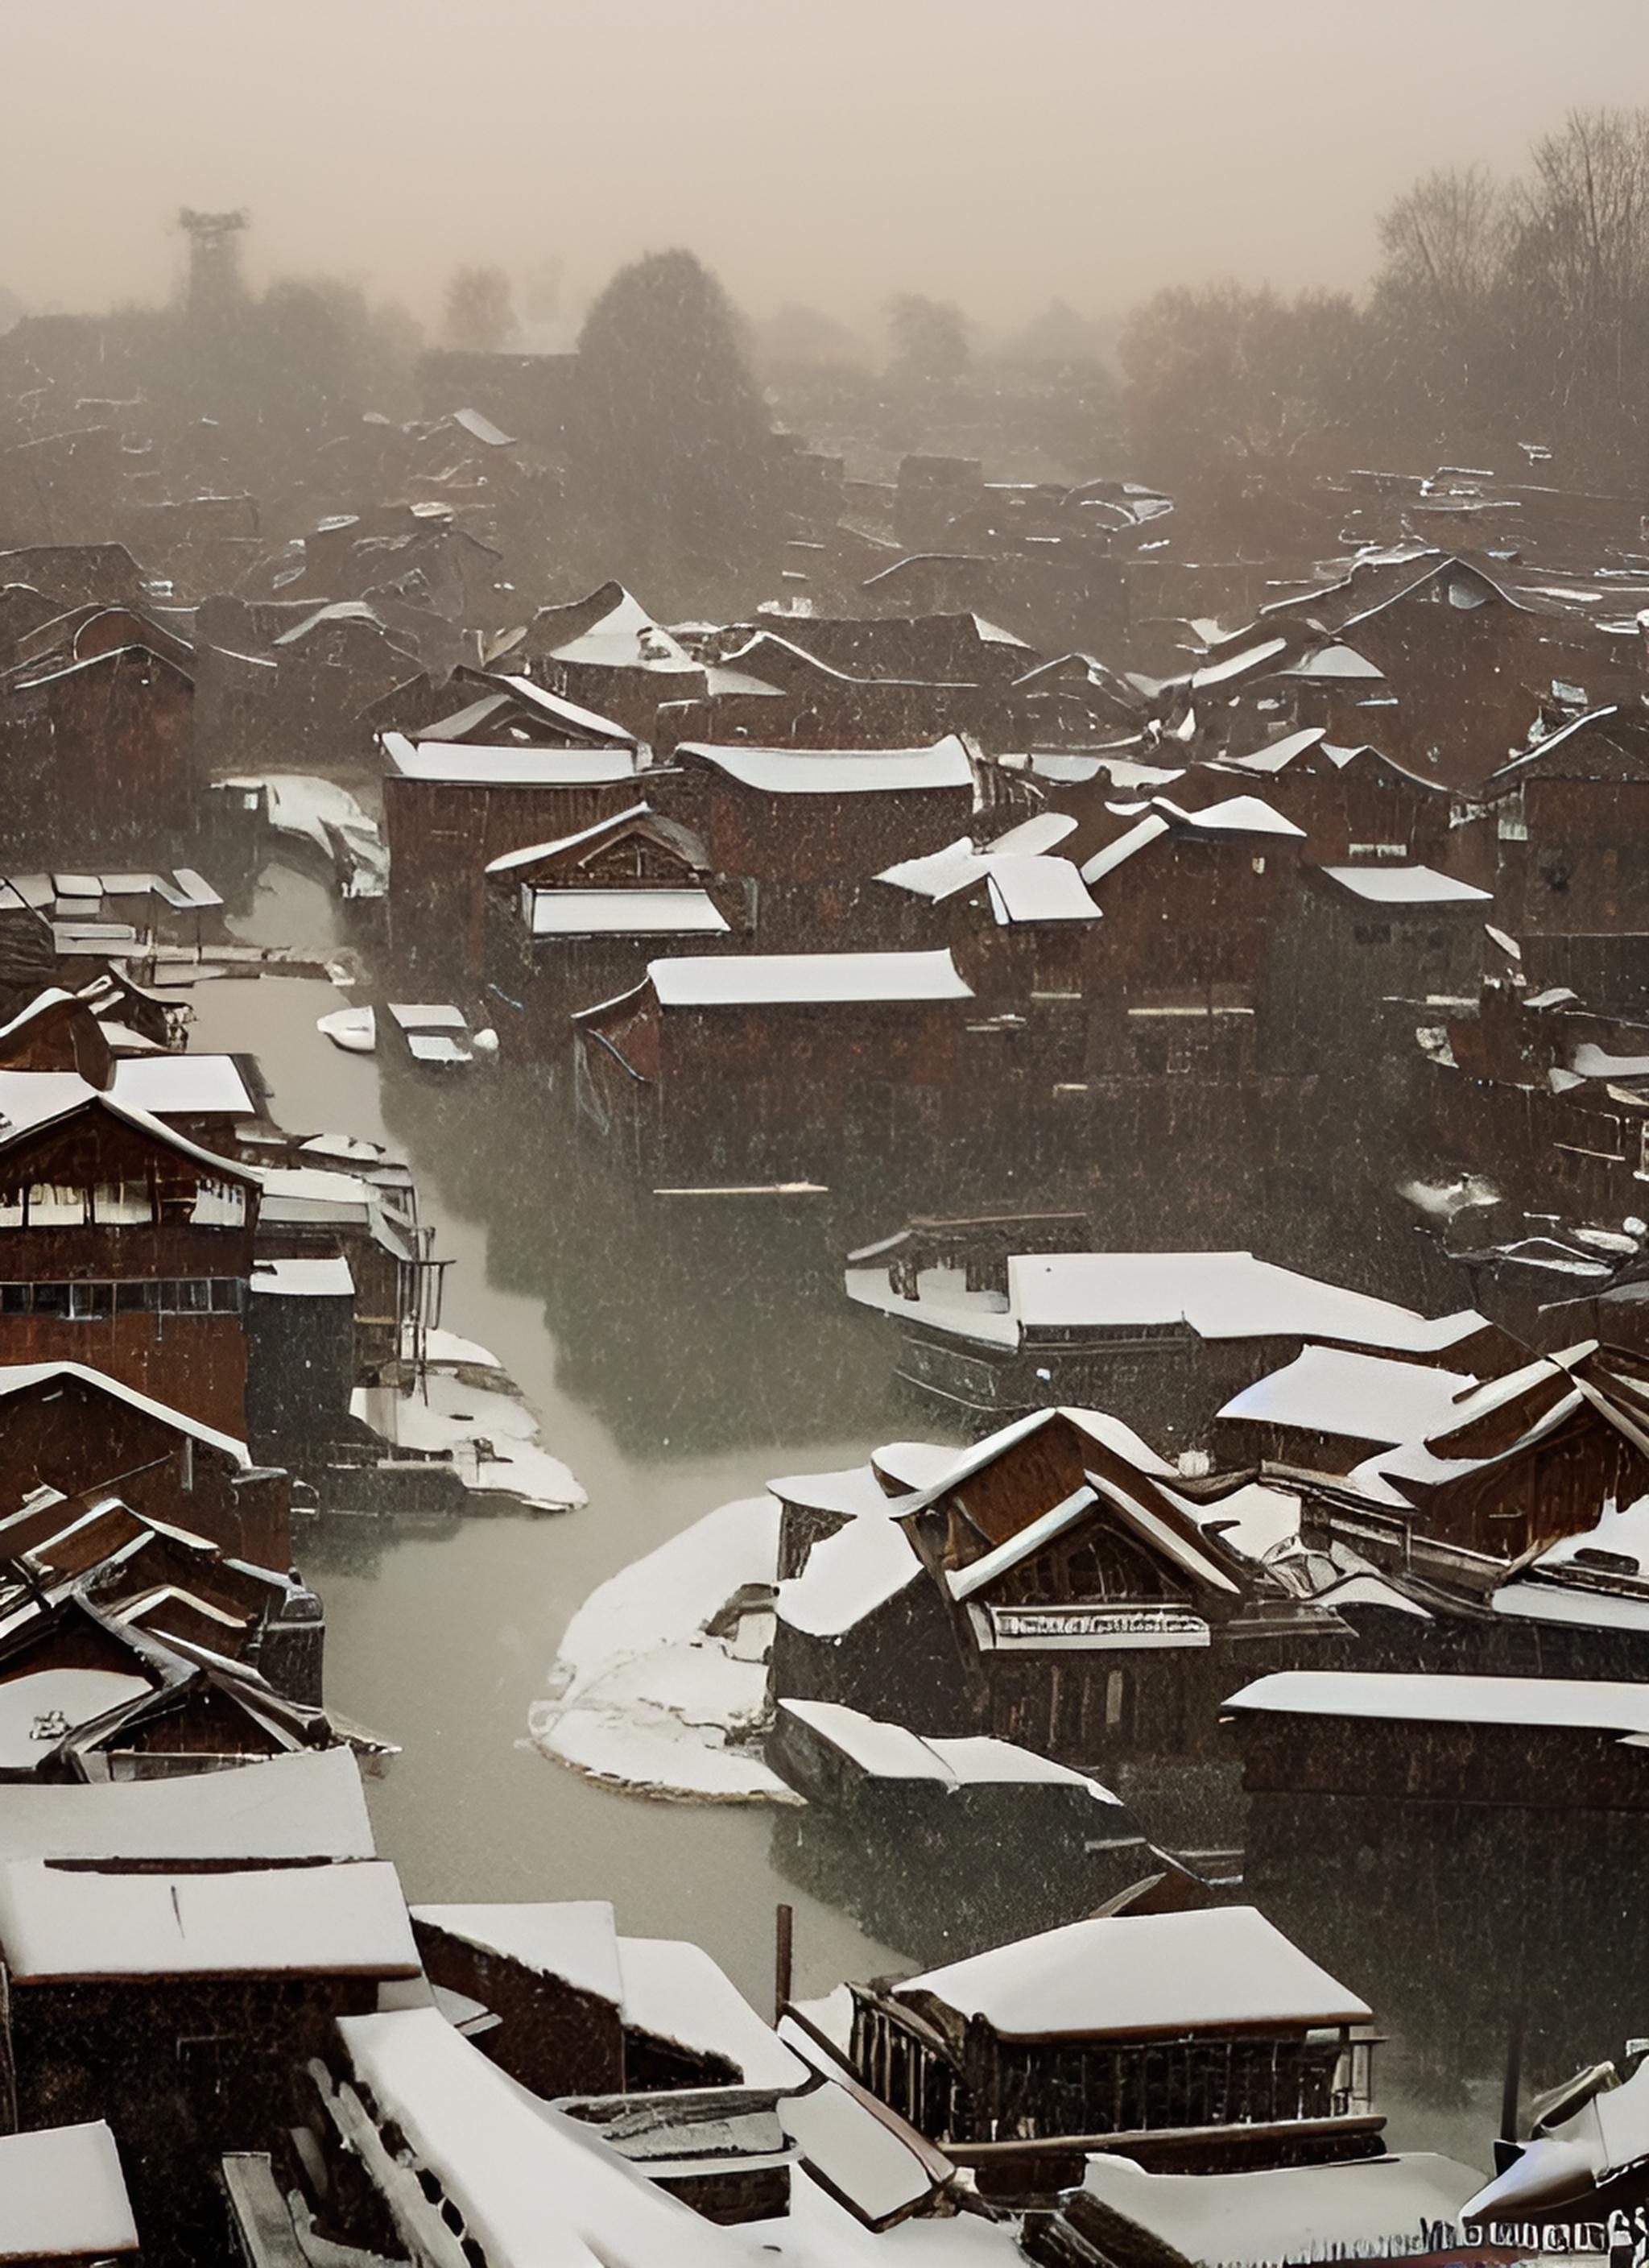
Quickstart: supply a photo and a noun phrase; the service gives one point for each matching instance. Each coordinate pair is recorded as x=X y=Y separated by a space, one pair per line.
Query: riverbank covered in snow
x=660 y=1685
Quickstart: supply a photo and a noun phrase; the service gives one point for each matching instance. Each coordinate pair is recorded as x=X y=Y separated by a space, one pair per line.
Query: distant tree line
x=1503 y=315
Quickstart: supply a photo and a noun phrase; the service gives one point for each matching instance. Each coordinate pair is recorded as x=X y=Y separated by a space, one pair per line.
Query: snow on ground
x=818 y=2232
x=450 y=1352
x=644 y=1696
x=489 y=1432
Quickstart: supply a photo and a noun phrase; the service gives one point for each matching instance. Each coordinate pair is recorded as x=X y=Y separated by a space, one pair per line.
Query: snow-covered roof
x=942 y=873
x=1421 y=1698
x=913 y=1465
x=840 y=771
x=573 y=1939
x=1119 y=852
x=1039 y=889
x=854 y=1489
x=32 y=1099
x=1111 y=1431
x=1594 y=1062
x=1239 y=664
x=1356 y=1397
x=308 y=1805
x=624 y=913
x=1622 y=1531
x=1220 y=1294
x=1276 y=756
x=848 y=1576
x=533 y=2191
x=1389 y=2206
x=483 y=429
x=63 y=2195
x=676 y=1992
x=38 y=1708
x=1580 y=1607
x=329 y=1278
x=625 y=637
x=1550 y=741
x=1406 y=886
x=1233 y=814
x=510 y=860
x=1335 y=661
x=964 y=1582
x=884 y=1750
x=1126 y=1976
x=562 y=711
x=20 y=1377
x=341 y=1920
x=459 y=764
x=860 y=2155
x=796 y=979
x=182 y=1087
x=889 y=1751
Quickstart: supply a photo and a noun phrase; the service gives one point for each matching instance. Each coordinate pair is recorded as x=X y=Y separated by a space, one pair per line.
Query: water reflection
x=1453 y=1921
x=443 y=1639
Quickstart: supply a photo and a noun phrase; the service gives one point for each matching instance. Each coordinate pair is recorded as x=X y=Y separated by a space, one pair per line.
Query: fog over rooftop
x=995 y=155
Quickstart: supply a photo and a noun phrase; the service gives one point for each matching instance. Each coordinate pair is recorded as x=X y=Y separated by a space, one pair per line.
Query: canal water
x=442 y=1637
x=671 y=1378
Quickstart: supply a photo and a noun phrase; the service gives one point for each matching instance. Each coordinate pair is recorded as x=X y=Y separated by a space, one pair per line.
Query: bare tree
x=1444 y=240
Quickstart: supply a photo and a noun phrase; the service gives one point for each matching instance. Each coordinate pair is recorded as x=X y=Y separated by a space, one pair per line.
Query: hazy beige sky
x=997 y=151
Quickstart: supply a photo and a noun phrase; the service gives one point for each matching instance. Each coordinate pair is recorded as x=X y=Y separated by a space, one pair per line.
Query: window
x=114 y=1203
x=56 y=1205
x=82 y=1301
x=218 y=1204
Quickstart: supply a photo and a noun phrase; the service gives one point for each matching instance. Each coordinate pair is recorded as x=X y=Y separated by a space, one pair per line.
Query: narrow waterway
x=442 y=1639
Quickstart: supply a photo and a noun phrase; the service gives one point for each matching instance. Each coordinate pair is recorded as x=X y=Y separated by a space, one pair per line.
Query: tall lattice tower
x=214 y=258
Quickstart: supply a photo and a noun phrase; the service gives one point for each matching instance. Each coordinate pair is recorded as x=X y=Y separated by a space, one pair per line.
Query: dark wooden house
x=712 y=1070
x=123 y=1246
x=1311 y=1739
x=1159 y=1338
x=1200 y=2041
x=1093 y=1600
x=178 y=2005
x=577 y=920
x=808 y=830
x=1355 y=804
x=110 y=736
x=449 y=810
x=78 y=1432
x=581 y=2010
x=1175 y=973
x=1468 y=655
x=1570 y=818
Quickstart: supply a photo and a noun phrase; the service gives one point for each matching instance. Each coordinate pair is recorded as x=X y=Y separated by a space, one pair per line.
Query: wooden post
x=784 y=1930
x=1511 y=2090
